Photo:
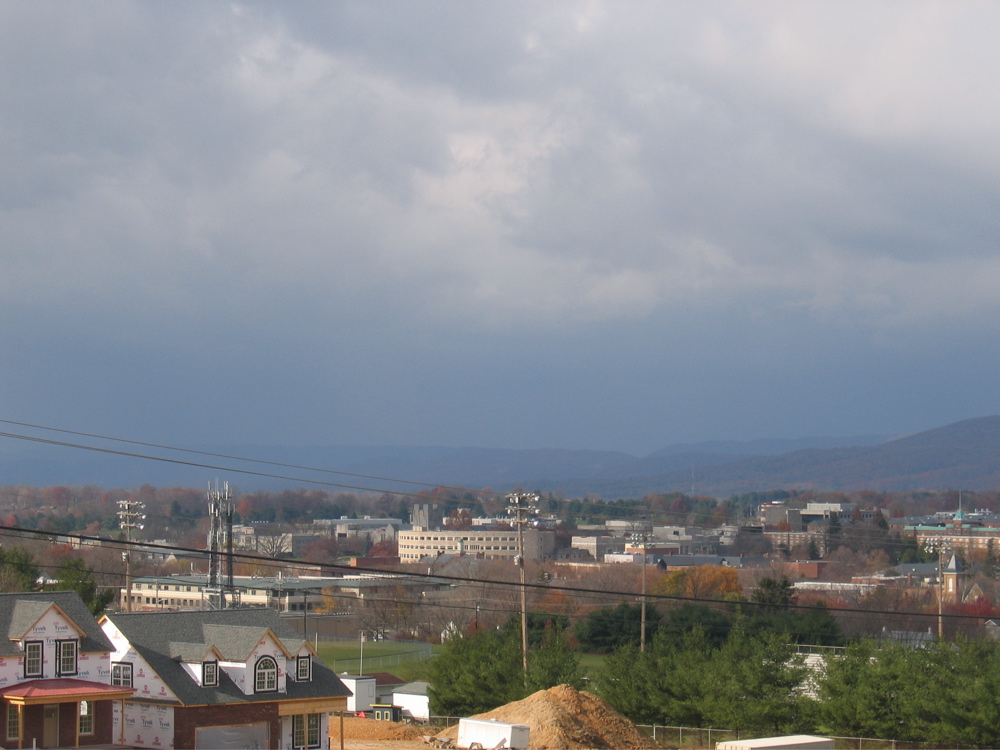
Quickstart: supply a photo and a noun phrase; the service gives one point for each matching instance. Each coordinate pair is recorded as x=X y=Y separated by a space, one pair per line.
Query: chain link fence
x=697 y=738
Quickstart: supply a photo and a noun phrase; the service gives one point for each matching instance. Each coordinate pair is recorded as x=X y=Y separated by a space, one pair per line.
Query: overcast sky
x=563 y=224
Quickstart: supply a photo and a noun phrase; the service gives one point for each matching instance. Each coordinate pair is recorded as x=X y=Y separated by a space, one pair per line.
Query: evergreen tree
x=482 y=670
x=751 y=684
x=476 y=673
x=607 y=629
x=775 y=594
x=18 y=571
x=991 y=563
x=74 y=575
x=553 y=662
x=664 y=685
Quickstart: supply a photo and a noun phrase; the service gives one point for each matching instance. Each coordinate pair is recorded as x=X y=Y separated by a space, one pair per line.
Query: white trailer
x=790 y=742
x=363 y=689
x=486 y=734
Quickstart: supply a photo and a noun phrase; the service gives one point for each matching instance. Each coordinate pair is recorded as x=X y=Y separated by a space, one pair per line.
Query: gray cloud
x=371 y=212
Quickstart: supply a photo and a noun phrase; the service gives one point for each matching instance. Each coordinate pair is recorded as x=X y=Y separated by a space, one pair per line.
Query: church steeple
x=954 y=580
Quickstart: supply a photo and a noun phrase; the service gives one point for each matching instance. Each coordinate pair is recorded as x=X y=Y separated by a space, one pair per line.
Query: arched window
x=266 y=675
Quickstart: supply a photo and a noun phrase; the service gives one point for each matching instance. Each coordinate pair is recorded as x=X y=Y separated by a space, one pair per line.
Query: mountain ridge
x=960 y=455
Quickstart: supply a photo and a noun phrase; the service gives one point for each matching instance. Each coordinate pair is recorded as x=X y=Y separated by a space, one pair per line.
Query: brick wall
x=186 y=720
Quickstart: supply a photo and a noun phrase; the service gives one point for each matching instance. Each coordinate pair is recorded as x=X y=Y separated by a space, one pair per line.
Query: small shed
x=413 y=700
x=363 y=689
x=789 y=742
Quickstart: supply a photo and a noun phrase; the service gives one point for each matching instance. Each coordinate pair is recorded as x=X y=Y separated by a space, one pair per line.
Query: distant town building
x=426 y=516
x=598 y=546
x=495 y=544
x=376 y=529
x=958 y=533
x=309 y=593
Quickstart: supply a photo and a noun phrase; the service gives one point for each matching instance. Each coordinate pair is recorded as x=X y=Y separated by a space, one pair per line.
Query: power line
x=615 y=509
x=219 y=455
x=162 y=459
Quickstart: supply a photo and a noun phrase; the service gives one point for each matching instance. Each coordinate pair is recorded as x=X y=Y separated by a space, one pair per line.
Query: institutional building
x=539 y=546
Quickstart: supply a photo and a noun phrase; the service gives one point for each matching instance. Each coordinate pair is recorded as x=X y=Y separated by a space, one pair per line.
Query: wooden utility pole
x=644 y=545
x=521 y=506
x=130 y=516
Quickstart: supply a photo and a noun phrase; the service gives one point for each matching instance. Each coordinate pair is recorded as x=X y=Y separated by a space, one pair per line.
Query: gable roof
x=384 y=679
x=193 y=652
x=237 y=642
x=954 y=565
x=20 y=611
x=162 y=637
x=412 y=688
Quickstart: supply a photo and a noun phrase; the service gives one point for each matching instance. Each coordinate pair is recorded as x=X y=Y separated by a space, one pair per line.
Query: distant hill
x=963 y=455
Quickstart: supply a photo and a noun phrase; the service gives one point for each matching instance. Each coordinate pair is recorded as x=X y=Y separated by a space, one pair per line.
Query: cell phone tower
x=220 y=548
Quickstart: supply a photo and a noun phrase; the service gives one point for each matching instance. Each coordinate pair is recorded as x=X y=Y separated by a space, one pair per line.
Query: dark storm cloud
x=577 y=224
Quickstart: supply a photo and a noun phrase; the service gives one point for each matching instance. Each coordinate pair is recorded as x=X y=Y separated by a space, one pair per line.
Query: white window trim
x=268 y=673
x=30 y=646
x=60 y=647
x=206 y=668
x=303 y=669
x=124 y=670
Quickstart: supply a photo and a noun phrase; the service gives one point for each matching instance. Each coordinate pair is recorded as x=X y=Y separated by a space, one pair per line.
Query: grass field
x=379 y=656
x=592 y=663
x=402 y=658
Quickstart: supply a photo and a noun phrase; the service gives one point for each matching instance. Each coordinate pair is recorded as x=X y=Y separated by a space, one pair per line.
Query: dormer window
x=210 y=673
x=33 y=659
x=266 y=676
x=303 y=669
x=66 y=657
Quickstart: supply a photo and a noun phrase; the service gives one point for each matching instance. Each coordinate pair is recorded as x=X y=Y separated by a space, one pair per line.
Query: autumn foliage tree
x=385 y=548
x=702 y=582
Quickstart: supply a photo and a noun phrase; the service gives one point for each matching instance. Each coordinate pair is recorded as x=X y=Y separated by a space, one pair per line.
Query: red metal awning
x=64 y=690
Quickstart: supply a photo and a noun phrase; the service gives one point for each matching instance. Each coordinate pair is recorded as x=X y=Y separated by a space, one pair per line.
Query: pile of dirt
x=372 y=729
x=562 y=718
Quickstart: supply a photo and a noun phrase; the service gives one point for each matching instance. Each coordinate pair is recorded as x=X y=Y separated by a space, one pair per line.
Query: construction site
x=560 y=718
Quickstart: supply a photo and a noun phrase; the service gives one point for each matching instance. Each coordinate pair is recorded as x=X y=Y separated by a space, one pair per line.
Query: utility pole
x=938 y=546
x=522 y=504
x=130 y=516
x=643 y=540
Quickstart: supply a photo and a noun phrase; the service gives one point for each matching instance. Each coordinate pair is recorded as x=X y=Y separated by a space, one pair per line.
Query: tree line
x=756 y=683
x=738 y=670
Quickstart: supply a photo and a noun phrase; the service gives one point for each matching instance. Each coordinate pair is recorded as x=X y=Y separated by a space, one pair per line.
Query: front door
x=50 y=726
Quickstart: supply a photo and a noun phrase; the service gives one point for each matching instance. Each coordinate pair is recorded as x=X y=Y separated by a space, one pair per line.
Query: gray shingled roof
x=413 y=688
x=19 y=611
x=158 y=636
x=189 y=651
x=235 y=642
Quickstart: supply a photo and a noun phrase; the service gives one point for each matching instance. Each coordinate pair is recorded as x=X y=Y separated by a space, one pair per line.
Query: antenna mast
x=220 y=548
